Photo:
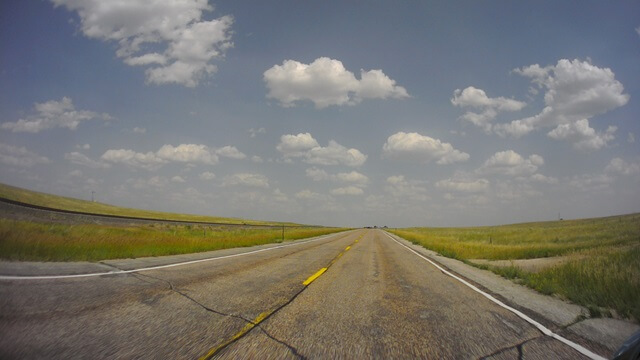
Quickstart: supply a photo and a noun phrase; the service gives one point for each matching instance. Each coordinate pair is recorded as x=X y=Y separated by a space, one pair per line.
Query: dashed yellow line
x=238 y=335
x=314 y=276
x=249 y=326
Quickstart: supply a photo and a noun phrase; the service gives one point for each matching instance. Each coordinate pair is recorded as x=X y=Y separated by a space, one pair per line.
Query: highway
x=358 y=294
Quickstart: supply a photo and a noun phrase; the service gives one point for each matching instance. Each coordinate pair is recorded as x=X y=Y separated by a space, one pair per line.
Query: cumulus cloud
x=53 y=114
x=352 y=177
x=296 y=145
x=83 y=146
x=178 y=179
x=230 y=152
x=83 y=160
x=349 y=190
x=575 y=91
x=246 y=179
x=207 y=175
x=306 y=147
x=255 y=132
x=543 y=179
x=592 y=182
x=20 y=156
x=257 y=159
x=139 y=130
x=184 y=153
x=310 y=195
x=191 y=153
x=489 y=107
x=511 y=163
x=619 y=166
x=131 y=158
x=399 y=187
x=422 y=149
x=582 y=135
x=326 y=82
x=463 y=185
x=169 y=38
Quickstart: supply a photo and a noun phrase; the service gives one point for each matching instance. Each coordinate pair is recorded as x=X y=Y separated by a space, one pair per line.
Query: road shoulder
x=571 y=318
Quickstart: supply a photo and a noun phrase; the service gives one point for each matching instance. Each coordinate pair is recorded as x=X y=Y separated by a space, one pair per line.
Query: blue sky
x=334 y=113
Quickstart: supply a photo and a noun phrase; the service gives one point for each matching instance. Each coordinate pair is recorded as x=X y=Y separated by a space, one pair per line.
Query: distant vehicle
x=630 y=350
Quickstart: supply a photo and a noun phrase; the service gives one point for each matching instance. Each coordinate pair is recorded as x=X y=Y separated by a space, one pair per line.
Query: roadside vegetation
x=600 y=267
x=31 y=241
x=70 y=204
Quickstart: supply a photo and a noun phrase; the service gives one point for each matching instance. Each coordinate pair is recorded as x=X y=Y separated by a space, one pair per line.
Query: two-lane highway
x=355 y=294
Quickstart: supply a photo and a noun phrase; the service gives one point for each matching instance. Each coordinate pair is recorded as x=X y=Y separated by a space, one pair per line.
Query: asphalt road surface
x=350 y=295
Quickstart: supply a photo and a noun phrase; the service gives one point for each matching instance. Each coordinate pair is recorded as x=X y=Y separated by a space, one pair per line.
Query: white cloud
x=631 y=138
x=83 y=160
x=352 y=177
x=619 y=166
x=335 y=154
x=399 y=187
x=582 y=135
x=169 y=38
x=192 y=153
x=420 y=148
x=576 y=91
x=83 y=146
x=207 y=175
x=543 y=179
x=477 y=98
x=139 y=130
x=184 y=153
x=147 y=161
x=246 y=179
x=230 y=152
x=53 y=114
x=257 y=159
x=326 y=82
x=592 y=182
x=461 y=185
x=305 y=146
x=310 y=195
x=511 y=163
x=20 y=156
x=178 y=179
x=349 y=190
x=296 y=145
x=254 y=132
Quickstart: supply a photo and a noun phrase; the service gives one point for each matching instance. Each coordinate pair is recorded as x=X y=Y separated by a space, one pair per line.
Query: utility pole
x=92 y=193
x=282 y=232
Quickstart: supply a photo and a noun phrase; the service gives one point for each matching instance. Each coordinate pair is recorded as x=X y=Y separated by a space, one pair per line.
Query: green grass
x=65 y=203
x=603 y=267
x=22 y=240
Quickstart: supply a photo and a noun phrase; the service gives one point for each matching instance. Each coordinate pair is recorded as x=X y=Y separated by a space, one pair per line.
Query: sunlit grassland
x=70 y=204
x=603 y=257
x=22 y=240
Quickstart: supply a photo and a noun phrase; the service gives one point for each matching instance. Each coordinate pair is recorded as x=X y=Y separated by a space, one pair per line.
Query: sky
x=341 y=113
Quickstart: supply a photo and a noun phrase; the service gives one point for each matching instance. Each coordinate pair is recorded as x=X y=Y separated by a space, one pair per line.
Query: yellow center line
x=314 y=276
x=249 y=326
x=235 y=337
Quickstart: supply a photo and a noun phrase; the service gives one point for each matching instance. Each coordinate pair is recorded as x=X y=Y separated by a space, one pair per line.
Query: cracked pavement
x=377 y=300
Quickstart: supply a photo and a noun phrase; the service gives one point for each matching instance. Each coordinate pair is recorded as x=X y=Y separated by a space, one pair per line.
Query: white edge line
x=526 y=318
x=53 y=277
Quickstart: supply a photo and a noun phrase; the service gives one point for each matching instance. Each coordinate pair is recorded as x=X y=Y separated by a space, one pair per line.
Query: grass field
x=65 y=203
x=602 y=267
x=22 y=240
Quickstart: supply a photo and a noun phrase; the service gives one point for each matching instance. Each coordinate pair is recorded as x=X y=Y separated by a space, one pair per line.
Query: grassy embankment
x=21 y=240
x=65 y=203
x=42 y=241
x=601 y=270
